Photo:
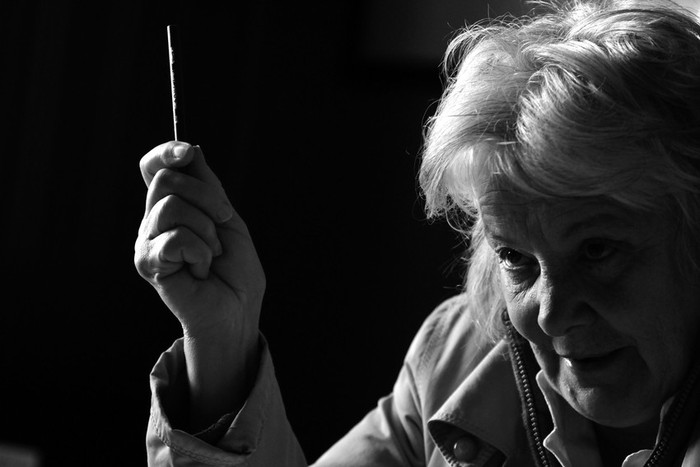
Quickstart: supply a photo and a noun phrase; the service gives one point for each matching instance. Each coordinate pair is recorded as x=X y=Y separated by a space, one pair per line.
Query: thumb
x=172 y=154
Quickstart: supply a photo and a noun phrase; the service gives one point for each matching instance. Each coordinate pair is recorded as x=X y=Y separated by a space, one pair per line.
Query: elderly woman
x=567 y=146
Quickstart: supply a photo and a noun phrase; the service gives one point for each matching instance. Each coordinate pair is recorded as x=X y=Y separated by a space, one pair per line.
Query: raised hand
x=197 y=253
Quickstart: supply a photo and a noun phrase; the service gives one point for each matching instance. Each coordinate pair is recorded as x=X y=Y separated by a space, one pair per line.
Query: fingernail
x=225 y=213
x=180 y=151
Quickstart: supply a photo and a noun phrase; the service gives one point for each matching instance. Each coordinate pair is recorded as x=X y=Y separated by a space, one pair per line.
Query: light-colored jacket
x=455 y=403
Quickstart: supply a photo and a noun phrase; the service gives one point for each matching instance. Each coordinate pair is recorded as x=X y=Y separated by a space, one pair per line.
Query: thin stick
x=175 y=59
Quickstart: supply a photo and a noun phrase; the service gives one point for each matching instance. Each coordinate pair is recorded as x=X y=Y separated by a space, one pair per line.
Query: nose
x=564 y=302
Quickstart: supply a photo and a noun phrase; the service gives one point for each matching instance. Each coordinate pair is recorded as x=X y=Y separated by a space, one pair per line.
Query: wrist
x=221 y=369
x=226 y=329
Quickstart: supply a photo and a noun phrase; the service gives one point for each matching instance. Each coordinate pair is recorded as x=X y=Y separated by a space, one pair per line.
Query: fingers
x=169 y=252
x=185 y=205
x=177 y=155
x=172 y=212
x=210 y=199
x=170 y=155
x=179 y=168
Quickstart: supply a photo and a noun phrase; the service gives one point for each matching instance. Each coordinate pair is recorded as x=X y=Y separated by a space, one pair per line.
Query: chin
x=610 y=407
x=617 y=390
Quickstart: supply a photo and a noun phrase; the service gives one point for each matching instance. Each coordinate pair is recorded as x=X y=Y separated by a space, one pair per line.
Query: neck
x=617 y=443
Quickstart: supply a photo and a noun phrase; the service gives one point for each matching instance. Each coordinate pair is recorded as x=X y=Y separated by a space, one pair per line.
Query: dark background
x=310 y=112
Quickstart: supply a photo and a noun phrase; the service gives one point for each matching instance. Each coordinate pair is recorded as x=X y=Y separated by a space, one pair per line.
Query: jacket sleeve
x=257 y=436
x=392 y=434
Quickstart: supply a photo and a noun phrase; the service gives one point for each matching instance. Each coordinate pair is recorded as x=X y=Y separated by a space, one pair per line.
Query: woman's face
x=597 y=291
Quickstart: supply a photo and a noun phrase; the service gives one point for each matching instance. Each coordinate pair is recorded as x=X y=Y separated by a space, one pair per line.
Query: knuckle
x=170 y=205
x=143 y=228
x=142 y=262
x=167 y=179
x=169 y=241
x=143 y=163
x=174 y=242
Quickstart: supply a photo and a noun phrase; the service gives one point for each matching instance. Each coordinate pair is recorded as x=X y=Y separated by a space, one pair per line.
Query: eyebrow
x=605 y=220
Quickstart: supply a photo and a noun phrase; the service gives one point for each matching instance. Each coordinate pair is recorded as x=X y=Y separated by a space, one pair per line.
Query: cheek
x=658 y=314
x=653 y=308
x=523 y=309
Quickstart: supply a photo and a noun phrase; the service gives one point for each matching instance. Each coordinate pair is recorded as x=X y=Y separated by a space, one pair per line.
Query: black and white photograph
x=350 y=233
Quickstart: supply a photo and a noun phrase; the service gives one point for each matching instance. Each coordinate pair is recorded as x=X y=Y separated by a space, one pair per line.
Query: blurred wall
x=312 y=116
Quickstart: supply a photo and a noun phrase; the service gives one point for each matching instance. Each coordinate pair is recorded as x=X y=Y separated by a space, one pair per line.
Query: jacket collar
x=486 y=405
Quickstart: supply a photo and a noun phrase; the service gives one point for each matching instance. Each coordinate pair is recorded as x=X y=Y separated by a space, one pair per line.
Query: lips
x=586 y=356
x=592 y=362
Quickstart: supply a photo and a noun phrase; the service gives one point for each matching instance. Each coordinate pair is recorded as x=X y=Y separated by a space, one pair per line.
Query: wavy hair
x=589 y=98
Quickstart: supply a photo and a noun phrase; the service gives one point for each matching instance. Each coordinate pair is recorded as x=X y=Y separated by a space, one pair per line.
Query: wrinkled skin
x=596 y=290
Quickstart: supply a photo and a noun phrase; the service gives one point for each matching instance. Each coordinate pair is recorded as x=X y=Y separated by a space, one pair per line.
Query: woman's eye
x=512 y=259
x=597 y=251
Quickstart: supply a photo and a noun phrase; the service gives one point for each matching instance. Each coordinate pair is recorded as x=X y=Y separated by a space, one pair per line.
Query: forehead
x=508 y=213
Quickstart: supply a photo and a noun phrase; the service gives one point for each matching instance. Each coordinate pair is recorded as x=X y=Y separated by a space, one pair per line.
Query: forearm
x=221 y=370
x=258 y=435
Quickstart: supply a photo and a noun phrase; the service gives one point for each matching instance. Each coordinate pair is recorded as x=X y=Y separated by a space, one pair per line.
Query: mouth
x=589 y=363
